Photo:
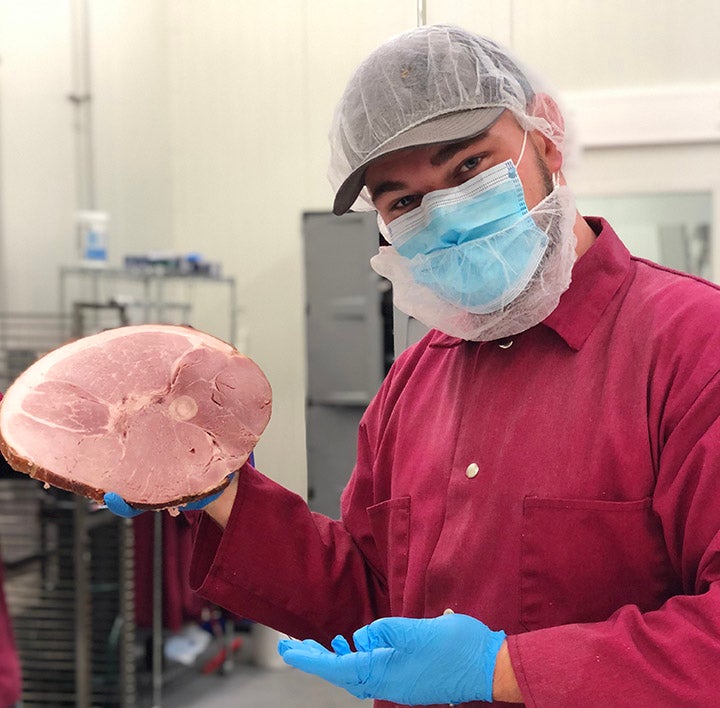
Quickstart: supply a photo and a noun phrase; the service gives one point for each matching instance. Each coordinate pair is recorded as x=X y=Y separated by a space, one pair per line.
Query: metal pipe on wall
x=81 y=98
x=421 y=13
x=81 y=572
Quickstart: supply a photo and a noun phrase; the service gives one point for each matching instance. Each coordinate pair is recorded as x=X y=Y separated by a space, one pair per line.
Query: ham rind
x=159 y=414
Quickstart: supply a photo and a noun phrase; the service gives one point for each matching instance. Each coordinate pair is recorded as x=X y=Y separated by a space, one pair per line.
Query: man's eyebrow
x=443 y=155
x=388 y=186
x=447 y=152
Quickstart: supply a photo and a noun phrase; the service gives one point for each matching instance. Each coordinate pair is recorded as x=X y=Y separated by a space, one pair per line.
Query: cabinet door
x=344 y=299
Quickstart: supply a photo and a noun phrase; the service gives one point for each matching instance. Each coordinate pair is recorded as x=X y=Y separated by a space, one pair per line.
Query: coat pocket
x=390 y=525
x=584 y=559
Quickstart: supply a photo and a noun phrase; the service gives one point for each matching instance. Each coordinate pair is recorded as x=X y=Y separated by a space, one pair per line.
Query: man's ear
x=544 y=106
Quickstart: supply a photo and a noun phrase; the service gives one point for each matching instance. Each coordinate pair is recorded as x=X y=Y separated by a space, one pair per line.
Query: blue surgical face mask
x=475 y=245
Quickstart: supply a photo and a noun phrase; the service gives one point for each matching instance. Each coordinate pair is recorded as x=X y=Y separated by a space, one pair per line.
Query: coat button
x=448 y=611
x=505 y=343
x=472 y=470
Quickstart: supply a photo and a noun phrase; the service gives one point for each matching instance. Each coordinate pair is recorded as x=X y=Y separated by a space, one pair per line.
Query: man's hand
x=120 y=507
x=448 y=659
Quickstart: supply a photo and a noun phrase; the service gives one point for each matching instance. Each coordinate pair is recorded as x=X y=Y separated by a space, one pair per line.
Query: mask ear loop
x=555 y=175
x=383 y=229
x=522 y=149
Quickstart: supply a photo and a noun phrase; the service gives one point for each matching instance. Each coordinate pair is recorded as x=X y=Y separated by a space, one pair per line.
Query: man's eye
x=404 y=202
x=470 y=164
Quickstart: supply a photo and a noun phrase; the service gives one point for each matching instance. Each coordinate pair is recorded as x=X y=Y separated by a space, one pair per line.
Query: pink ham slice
x=160 y=414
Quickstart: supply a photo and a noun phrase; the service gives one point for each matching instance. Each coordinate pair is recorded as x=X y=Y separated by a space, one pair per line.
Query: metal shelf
x=69 y=588
x=170 y=298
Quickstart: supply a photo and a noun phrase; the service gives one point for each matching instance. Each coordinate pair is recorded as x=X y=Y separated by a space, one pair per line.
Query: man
x=10 y=673
x=533 y=512
x=10 y=680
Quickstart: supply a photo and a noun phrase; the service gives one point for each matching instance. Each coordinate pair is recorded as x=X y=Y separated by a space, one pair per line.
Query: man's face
x=397 y=182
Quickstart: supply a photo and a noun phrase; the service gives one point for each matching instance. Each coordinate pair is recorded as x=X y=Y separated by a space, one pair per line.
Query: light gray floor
x=250 y=686
x=253 y=687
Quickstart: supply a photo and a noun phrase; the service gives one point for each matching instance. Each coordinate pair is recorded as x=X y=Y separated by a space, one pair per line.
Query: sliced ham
x=160 y=414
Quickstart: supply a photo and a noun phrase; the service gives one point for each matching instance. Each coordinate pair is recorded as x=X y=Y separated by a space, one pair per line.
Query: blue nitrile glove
x=416 y=662
x=120 y=507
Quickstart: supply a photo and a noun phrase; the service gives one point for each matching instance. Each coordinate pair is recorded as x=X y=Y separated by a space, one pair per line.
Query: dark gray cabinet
x=349 y=344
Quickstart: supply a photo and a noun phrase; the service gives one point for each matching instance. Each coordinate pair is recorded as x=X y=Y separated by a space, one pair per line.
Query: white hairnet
x=407 y=92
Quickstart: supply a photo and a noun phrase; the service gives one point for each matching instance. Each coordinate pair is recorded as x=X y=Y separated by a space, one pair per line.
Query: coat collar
x=596 y=277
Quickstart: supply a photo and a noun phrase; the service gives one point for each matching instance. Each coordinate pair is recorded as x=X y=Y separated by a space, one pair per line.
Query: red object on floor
x=214 y=663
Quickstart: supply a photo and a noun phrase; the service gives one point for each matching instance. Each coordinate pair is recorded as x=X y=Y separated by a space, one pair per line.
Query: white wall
x=253 y=88
x=36 y=150
x=210 y=131
x=131 y=117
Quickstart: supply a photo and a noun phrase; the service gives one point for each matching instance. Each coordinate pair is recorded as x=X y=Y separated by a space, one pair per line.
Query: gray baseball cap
x=456 y=126
x=434 y=84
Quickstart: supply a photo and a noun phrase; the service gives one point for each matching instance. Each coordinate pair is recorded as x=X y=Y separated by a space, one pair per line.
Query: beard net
x=555 y=215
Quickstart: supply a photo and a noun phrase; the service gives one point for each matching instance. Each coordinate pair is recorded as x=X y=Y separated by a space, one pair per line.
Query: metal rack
x=153 y=296
x=69 y=565
x=25 y=336
x=68 y=580
x=141 y=297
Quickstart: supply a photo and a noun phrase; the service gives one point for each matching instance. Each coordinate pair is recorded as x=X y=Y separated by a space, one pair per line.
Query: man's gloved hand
x=448 y=659
x=120 y=507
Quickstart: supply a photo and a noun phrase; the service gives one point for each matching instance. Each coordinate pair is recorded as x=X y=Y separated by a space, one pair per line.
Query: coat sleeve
x=280 y=564
x=669 y=656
